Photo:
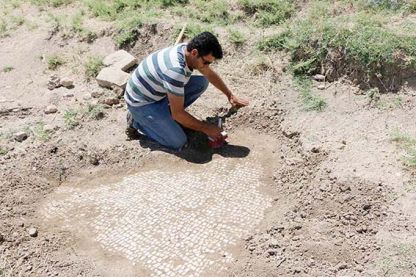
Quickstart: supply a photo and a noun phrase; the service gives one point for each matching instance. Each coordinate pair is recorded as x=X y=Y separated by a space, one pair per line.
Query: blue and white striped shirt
x=162 y=72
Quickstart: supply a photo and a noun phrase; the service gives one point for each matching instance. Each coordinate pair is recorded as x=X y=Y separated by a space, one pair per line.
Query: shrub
x=269 y=12
x=54 y=61
x=92 y=66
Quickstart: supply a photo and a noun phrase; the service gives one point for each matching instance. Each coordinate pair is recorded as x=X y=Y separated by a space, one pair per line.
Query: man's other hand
x=238 y=102
x=213 y=131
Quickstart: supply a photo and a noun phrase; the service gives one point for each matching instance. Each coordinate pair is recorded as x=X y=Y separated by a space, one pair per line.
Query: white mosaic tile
x=171 y=222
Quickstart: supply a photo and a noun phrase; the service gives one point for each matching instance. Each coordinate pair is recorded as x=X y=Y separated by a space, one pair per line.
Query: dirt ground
x=343 y=200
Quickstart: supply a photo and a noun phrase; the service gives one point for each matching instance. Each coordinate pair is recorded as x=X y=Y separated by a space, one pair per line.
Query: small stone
x=29 y=268
x=54 y=82
x=96 y=94
x=1 y=238
x=51 y=109
x=315 y=150
x=66 y=82
x=110 y=101
x=69 y=95
x=94 y=161
x=20 y=136
x=342 y=266
x=366 y=207
x=33 y=232
x=321 y=87
x=319 y=77
x=274 y=243
x=48 y=128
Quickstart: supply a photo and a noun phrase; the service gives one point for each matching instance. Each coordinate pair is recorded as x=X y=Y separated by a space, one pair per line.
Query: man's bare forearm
x=216 y=80
x=189 y=121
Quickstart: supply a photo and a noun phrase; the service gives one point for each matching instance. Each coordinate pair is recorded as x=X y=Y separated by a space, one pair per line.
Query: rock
x=274 y=243
x=94 y=161
x=321 y=87
x=319 y=77
x=66 y=82
x=342 y=266
x=118 y=91
x=69 y=94
x=1 y=238
x=110 y=76
x=96 y=94
x=366 y=207
x=51 y=109
x=48 y=128
x=33 y=232
x=109 y=101
x=315 y=150
x=121 y=60
x=54 y=82
x=20 y=136
x=291 y=134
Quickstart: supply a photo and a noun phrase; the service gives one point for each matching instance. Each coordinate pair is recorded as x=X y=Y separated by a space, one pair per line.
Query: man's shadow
x=197 y=150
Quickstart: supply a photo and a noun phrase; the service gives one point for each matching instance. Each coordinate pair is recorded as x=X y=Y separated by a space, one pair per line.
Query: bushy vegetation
x=311 y=102
x=92 y=66
x=408 y=144
x=359 y=40
x=269 y=12
x=54 y=61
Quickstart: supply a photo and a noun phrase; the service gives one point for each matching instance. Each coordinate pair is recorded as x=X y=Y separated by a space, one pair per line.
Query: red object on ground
x=217 y=143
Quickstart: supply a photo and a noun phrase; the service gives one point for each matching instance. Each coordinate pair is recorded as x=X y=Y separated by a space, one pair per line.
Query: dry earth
x=342 y=201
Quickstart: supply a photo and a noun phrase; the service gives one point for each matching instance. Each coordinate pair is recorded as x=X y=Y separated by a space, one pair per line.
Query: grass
x=39 y=132
x=268 y=12
x=7 y=68
x=94 y=111
x=311 y=102
x=192 y=29
x=51 y=3
x=2 y=153
x=213 y=11
x=71 y=118
x=236 y=37
x=408 y=144
x=361 y=40
x=92 y=66
x=54 y=61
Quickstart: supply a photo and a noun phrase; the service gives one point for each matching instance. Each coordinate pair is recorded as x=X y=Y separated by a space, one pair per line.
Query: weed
x=3 y=28
x=214 y=11
x=361 y=40
x=237 y=37
x=17 y=20
x=7 y=68
x=71 y=118
x=408 y=144
x=128 y=31
x=39 y=132
x=53 y=3
x=2 y=153
x=193 y=29
x=94 y=111
x=92 y=66
x=310 y=101
x=54 y=61
x=269 y=12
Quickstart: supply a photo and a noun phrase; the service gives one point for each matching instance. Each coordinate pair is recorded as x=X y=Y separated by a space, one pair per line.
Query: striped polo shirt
x=162 y=72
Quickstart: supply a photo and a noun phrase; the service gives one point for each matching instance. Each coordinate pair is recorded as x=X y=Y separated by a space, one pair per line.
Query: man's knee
x=177 y=142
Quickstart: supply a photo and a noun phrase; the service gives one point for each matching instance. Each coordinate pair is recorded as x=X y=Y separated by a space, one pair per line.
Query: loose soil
x=342 y=200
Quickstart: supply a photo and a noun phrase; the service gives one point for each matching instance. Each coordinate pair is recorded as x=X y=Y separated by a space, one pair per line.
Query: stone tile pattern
x=176 y=223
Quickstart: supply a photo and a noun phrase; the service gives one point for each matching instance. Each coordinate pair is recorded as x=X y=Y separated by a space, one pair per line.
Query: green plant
x=39 y=132
x=237 y=37
x=7 y=68
x=54 y=61
x=71 y=118
x=3 y=151
x=213 y=11
x=53 y=3
x=408 y=144
x=269 y=12
x=310 y=101
x=94 y=111
x=3 y=28
x=92 y=66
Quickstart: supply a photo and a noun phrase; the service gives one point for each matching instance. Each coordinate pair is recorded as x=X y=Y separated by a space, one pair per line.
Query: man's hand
x=213 y=131
x=238 y=102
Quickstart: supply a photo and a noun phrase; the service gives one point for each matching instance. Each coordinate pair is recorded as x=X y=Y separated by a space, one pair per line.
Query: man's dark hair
x=206 y=43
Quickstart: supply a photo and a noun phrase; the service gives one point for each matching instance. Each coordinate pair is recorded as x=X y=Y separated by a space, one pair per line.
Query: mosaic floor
x=173 y=223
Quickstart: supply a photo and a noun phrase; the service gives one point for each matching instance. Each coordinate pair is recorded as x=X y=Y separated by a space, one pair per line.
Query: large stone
x=110 y=76
x=120 y=60
x=66 y=82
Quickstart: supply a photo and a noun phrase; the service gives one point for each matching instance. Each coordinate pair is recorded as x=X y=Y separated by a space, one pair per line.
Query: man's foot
x=131 y=132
